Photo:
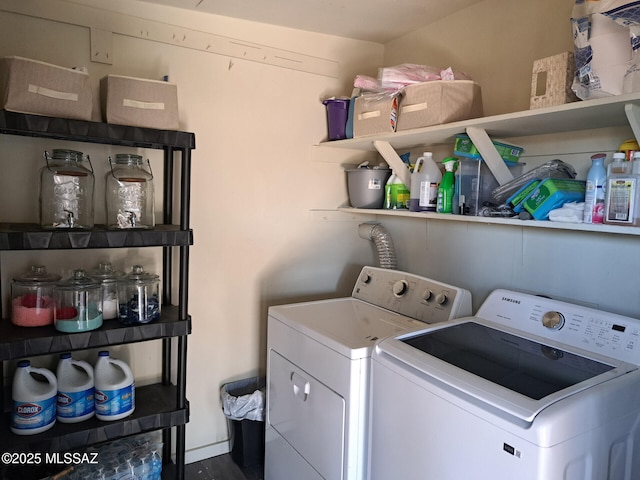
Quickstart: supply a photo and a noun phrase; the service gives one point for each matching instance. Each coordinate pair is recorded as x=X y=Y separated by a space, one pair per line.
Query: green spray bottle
x=446 y=187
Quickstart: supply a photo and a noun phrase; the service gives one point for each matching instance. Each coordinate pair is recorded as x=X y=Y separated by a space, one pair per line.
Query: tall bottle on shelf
x=425 y=179
x=594 y=195
x=622 y=187
x=446 y=189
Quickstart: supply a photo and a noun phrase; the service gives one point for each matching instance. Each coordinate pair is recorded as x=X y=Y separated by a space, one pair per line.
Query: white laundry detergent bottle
x=75 y=390
x=114 y=388
x=34 y=399
x=425 y=179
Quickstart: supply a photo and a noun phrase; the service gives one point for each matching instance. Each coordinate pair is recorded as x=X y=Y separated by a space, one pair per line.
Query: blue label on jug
x=114 y=402
x=75 y=404
x=31 y=415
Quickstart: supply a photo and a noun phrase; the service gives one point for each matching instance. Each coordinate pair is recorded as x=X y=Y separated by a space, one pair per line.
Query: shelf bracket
x=489 y=154
x=395 y=162
x=633 y=117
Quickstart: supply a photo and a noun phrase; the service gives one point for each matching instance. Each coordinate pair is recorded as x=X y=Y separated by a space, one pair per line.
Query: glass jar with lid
x=66 y=190
x=78 y=304
x=108 y=279
x=32 y=301
x=139 y=297
x=129 y=193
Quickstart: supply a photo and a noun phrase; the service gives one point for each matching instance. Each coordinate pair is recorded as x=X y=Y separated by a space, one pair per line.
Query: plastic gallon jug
x=115 y=388
x=34 y=399
x=425 y=179
x=75 y=390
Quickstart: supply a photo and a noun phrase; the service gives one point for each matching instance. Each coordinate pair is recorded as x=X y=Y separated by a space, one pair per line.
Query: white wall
x=494 y=41
x=257 y=180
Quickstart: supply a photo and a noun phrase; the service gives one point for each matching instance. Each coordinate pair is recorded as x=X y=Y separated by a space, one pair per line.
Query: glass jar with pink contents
x=32 y=297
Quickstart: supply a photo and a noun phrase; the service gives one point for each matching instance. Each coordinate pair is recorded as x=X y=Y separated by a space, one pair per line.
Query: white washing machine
x=530 y=388
x=318 y=368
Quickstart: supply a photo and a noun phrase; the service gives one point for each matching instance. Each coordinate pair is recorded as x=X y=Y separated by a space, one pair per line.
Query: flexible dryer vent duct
x=383 y=242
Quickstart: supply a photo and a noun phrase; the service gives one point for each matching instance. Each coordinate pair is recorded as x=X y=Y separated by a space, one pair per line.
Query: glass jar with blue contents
x=78 y=304
x=139 y=297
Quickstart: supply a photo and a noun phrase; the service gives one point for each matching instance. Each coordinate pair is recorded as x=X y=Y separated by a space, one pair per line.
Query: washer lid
x=347 y=325
x=500 y=367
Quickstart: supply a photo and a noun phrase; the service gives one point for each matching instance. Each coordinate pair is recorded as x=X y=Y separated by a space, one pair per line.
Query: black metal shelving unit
x=161 y=406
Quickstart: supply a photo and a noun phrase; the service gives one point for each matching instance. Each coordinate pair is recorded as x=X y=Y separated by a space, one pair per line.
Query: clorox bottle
x=75 y=390
x=34 y=399
x=114 y=388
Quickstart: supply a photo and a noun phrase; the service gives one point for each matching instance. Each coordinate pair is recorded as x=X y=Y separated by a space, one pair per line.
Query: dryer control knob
x=400 y=288
x=441 y=299
x=553 y=320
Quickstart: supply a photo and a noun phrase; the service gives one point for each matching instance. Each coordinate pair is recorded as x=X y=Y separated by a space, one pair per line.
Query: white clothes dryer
x=318 y=369
x=530 y=388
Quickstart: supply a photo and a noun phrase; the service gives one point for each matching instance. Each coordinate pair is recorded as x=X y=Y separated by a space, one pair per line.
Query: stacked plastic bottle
x=138 y=458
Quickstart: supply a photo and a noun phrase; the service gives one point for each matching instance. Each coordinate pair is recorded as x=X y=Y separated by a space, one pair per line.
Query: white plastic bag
x=238 y=405
x=606 y=47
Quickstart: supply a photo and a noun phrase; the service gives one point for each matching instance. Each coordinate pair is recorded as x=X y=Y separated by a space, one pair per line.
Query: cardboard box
x=375 y=113
x=34 y=87
x=140 y=102
x=438 y=102
x=551 y=81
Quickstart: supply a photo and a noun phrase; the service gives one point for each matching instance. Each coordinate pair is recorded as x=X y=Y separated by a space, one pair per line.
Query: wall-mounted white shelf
x=614 y=111
x=512 y=222
x=584 y=115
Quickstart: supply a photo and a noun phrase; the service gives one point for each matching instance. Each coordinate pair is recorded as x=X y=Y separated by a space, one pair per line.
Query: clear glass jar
x=108 y=278
x=78 y=304
x=66 y=190
x=32 y=297
x=129 y=193
x=139 y=297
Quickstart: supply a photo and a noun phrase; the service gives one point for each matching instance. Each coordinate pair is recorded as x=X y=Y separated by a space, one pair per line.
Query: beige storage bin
x=438 y=102
x=140 y=102
x=39 y=88
x=375 y=113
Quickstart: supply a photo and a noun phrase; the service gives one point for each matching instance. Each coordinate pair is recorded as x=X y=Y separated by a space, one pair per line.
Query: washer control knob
x=427 y=295
x=441 y=299
x=366 y=278
x=553 y=320
x=400 y=288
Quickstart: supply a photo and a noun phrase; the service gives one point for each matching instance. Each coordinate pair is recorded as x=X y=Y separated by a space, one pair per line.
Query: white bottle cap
x=620 y=156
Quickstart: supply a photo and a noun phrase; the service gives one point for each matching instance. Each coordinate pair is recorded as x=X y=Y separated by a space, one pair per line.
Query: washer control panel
x=586 y=328
x=411 y=295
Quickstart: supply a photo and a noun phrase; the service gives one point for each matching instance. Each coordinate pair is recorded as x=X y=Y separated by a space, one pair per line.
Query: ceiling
x=372 y=20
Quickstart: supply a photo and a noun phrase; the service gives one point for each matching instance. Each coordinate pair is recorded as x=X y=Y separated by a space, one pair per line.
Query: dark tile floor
x=222 y=467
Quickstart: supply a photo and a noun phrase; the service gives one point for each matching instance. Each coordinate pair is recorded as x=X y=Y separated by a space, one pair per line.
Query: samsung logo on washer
x=510 y=300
